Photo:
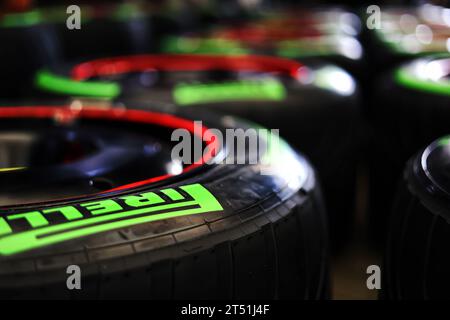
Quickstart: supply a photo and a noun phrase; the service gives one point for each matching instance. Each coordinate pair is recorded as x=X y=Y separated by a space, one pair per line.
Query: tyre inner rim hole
x=60 y=162
x=28 y=149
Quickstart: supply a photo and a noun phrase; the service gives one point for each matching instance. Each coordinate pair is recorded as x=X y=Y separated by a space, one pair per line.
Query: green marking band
x=405 y=78
x=54 y=14
x=172 y=194
x=445 y=141
x=267 y=89
x=63 y=85
x=202 y=46
x=126 y=11
x=23 y=19
x=104 y=216
x=299 y=48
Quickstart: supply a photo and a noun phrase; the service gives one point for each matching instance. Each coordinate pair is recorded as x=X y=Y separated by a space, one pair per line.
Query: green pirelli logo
x=29 y=230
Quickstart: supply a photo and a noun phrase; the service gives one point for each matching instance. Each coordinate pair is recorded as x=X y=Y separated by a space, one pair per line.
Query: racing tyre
x=417 y=261
x=315 y=107
x=98 y=189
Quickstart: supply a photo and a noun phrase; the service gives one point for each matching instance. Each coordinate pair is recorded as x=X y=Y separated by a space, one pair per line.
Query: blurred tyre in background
x=40 y=37
x=99 y=188
x=417 y=260
x=408 y=33
x=297 y=34
x=404 y=34
x=28 y=43
x=412 y=109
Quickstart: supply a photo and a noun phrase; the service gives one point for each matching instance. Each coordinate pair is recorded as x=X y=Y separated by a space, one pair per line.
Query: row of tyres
x=96 y=185
x=257 y=236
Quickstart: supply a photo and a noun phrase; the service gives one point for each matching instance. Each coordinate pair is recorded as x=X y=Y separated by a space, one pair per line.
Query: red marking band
x=184 y=62
x=256 y=34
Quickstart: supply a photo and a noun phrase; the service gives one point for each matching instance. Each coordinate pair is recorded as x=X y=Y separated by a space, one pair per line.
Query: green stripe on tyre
x=57 y=84
x=409 y=80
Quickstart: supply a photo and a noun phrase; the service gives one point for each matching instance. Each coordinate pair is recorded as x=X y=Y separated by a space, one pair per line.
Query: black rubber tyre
x=398 y=38
x=417 y=262
x=254 y=237
x=409 y=112
x=26 y=48
x=332 y=146
x=387 y=47
x=352 y=62
x=110 y=30
x=304 y=34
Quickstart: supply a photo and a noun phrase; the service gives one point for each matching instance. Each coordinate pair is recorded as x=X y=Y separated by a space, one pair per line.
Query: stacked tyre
x=307 y=35
x=412 y=109
x=407 y=33
x=156 y=233
x=417 y=261
x=29 y=43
